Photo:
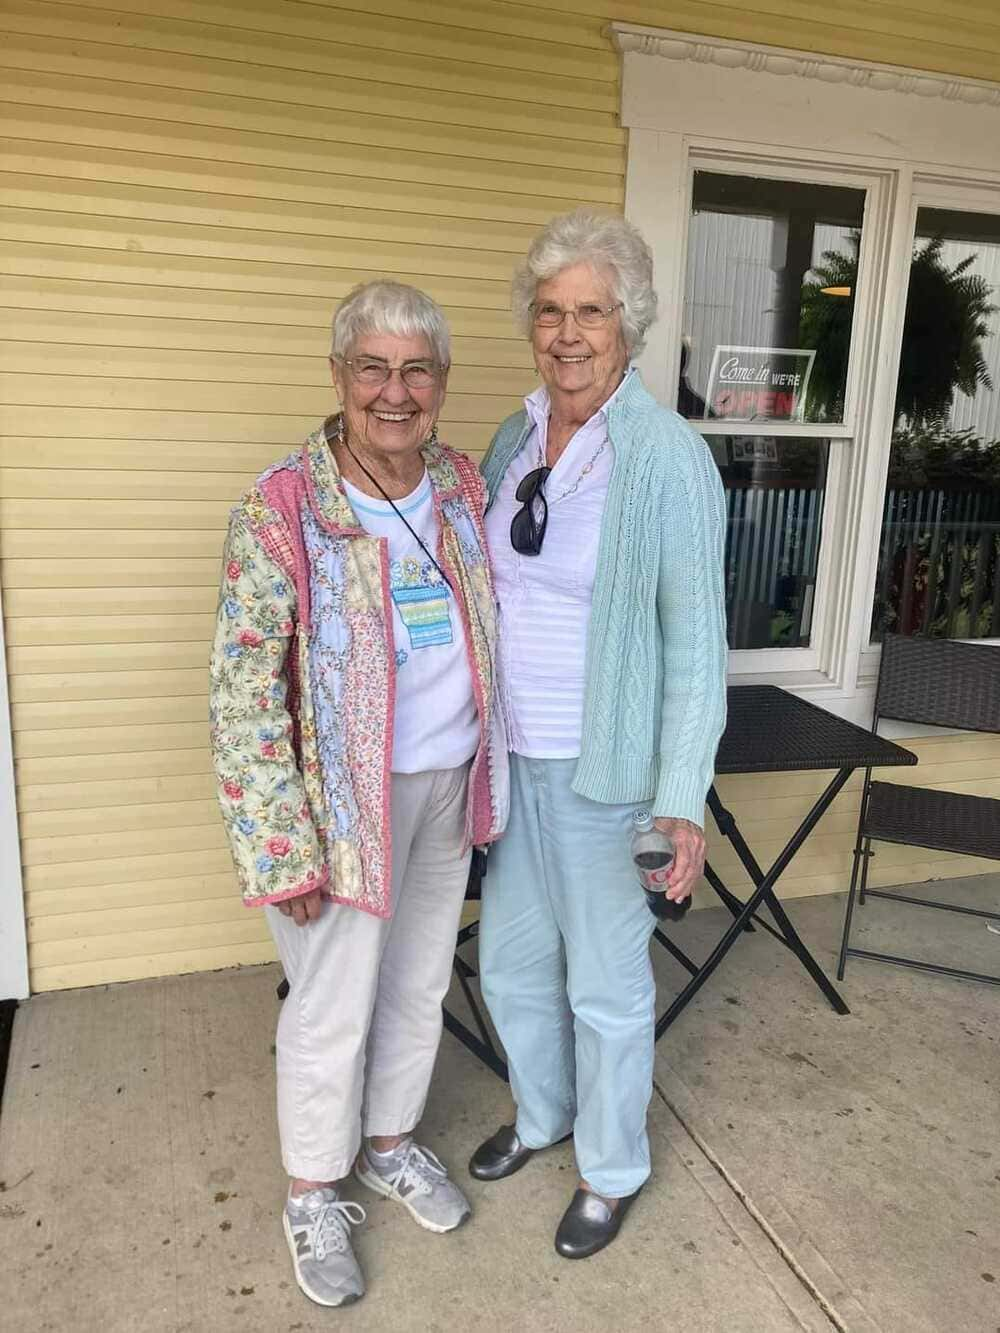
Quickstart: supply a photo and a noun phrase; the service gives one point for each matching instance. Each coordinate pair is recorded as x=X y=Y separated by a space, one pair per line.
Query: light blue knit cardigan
x=655 y=702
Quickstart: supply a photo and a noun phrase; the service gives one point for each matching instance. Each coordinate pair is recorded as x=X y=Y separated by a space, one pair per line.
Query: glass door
x=938 y=569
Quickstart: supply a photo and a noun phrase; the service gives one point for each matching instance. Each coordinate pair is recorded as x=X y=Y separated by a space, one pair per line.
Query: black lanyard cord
x=402 y=517
x=471 y=601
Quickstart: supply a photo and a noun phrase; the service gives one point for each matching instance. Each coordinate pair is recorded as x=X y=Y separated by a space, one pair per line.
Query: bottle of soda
x=653 y=854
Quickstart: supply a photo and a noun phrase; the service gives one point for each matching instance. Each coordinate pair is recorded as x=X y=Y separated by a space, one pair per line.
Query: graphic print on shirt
x=422 y=599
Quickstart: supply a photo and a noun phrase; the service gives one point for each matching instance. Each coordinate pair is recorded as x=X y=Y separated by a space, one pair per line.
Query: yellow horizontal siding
x=43 y=828
x=188 y=191
x=80 y=899
x=118 y=745
x=156 y=963
x=185 y=202
x=65 y=632
x=116 y=793
x=82 y=660
x=106 y=366
x=131 y=767
x=130 y=867
x=281 y=432
x=102 y=335
x=278 y=312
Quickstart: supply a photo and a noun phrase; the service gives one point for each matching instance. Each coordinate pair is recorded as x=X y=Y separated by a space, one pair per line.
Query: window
x=939 y=551
x=769 y=304
x=774 y=508
x=785 y=197
x=769 y=298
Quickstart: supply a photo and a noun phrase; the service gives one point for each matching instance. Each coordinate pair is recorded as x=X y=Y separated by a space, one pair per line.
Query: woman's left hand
x=689 y=856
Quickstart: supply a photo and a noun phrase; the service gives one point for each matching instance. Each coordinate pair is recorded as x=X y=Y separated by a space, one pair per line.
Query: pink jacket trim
x=316 y=881
x=284 y=492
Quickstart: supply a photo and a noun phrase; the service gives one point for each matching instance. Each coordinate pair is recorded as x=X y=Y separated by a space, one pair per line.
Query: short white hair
x=608 y=243
x=390 y=308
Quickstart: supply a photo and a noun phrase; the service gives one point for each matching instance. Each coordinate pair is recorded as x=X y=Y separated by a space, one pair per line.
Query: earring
x=432 y=439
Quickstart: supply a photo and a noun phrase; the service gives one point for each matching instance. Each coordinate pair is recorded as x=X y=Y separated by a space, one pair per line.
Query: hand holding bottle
x=689 y=855
x=653 y=856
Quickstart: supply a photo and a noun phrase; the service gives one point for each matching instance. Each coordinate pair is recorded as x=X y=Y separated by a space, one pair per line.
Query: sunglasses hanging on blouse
x=527 y=527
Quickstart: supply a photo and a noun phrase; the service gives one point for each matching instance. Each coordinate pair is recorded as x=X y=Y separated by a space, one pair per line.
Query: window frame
x=842 y=437
x=806 y=119
x=956 y=194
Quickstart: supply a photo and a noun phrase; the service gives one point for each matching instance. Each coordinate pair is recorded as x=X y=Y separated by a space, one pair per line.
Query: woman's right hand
x=303 y=909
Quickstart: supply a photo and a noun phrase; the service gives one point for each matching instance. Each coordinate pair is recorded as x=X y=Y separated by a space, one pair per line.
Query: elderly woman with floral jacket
x=359 y=758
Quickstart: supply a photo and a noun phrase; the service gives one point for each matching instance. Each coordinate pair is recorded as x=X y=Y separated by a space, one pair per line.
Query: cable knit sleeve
x=691 y=607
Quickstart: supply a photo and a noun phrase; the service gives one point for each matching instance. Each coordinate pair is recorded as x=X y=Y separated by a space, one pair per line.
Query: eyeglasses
x=527 y=530
x=588 y=316
x=372 y=370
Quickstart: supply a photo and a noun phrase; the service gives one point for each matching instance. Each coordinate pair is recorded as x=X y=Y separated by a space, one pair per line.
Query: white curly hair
x=394 y=308
x=609 y=244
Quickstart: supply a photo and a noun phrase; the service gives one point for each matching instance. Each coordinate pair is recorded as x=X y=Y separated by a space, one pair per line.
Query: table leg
x=485 y=1053
x=762 y=895
x=483 y=1045
x=729 y=900
x=788 y=934
x=685 y=996
x=673 y=950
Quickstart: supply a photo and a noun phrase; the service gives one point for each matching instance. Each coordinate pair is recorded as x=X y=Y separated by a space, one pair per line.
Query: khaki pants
x=360 y=1027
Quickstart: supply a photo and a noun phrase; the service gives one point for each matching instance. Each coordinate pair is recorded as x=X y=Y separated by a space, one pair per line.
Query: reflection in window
x=774 y=505
x=768 y=305
x=939 y=554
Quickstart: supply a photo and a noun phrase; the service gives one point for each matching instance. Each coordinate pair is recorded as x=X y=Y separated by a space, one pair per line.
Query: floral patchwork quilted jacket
x=303 y=678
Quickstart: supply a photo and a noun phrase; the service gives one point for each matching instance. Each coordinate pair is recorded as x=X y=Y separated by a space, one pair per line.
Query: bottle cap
x=642 y=820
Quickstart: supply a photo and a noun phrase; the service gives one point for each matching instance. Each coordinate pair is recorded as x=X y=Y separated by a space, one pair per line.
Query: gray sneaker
x=318 y=1230
x=415 y=1177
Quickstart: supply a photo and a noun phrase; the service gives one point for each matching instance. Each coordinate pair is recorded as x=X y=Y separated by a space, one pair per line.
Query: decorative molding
x=628 y=38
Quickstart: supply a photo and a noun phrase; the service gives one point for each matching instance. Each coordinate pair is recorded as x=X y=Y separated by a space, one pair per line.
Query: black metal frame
x=763 y=896
x=744 y=915
x=949 y=670
x=483 y=1046
x=768 y=731
x=8 y=1008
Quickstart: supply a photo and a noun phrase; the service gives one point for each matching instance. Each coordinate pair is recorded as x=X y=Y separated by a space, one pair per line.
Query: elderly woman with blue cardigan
x=606 y=523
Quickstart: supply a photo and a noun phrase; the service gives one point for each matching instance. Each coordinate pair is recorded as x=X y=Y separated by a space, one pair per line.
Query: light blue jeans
x=566 y=973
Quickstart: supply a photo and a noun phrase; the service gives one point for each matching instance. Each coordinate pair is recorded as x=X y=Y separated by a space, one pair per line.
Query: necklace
x=587 y=468
x=468 y=599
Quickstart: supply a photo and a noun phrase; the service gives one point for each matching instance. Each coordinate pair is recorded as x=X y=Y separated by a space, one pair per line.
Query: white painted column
x=13 y=936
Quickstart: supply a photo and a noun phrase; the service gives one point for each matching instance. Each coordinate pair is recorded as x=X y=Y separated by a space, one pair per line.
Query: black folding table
x=768 y=731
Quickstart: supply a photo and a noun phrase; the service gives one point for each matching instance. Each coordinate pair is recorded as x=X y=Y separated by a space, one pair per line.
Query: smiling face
x=391 y=418
x=584 y=366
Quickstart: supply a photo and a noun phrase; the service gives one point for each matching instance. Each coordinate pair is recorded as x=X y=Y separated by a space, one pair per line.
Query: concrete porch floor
x=811 y=1172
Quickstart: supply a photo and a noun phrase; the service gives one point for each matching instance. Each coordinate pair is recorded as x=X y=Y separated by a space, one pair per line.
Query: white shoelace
x=420 y=1168
x=332 y=1226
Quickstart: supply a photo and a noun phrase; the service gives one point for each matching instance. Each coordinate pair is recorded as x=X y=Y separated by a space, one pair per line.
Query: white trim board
x=13 y=936
x=803 y=64
x=739 y=92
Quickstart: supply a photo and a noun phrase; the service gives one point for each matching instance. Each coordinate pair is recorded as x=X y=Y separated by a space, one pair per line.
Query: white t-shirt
x=545 y=599
x=436 y=724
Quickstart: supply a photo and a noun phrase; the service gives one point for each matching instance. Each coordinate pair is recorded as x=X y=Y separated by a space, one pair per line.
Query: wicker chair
x=946 y=684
